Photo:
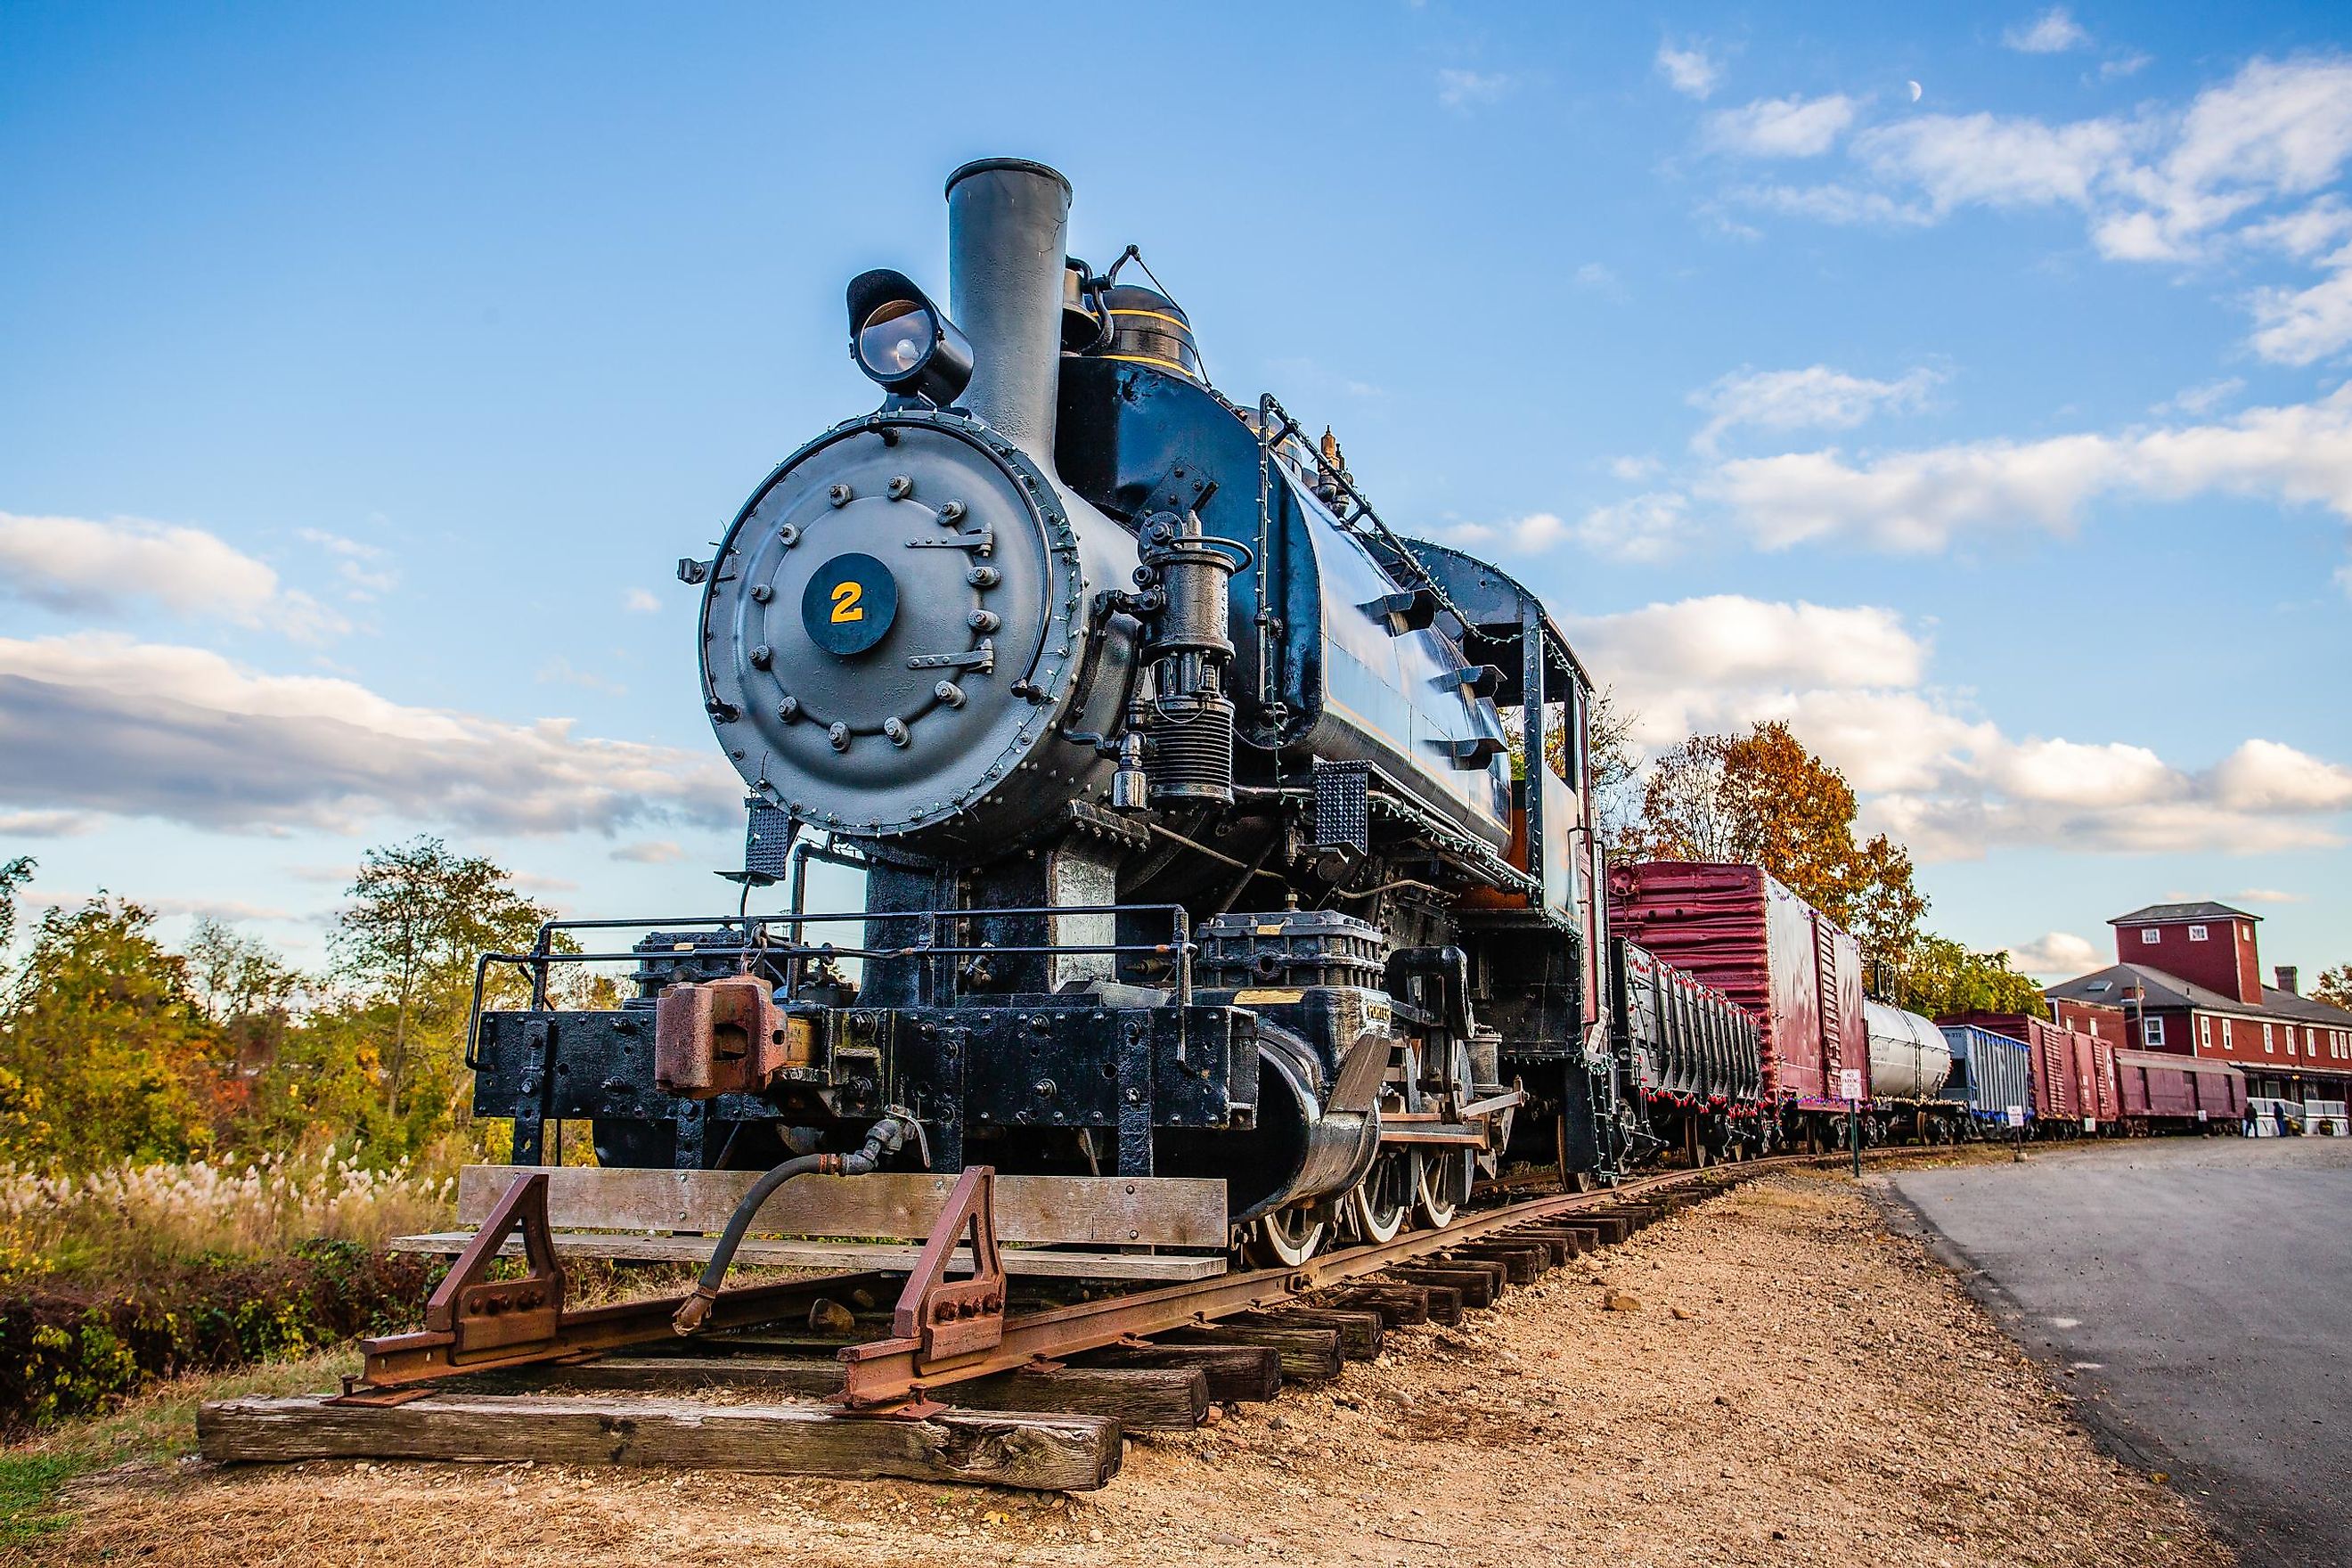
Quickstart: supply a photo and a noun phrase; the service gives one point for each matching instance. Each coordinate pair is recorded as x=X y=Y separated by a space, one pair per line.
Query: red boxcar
x=1739 y=931
x=2163 y=1088
x=2073 y=1073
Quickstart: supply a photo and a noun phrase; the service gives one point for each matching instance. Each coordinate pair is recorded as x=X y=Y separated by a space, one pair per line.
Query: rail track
x=961 y=1388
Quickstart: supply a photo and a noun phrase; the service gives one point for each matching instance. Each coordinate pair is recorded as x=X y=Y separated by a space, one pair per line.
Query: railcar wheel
x=1287 y=1237
x=1441 y=1185
x=1383 y=1199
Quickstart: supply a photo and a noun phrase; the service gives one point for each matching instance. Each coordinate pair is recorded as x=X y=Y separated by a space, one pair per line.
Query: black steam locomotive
x=1208 y=826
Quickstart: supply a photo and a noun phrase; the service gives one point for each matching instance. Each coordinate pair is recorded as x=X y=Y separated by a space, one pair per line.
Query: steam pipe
x=1008 y=241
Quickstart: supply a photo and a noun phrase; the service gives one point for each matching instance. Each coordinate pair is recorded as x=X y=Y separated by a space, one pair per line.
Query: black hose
x=882 y=1141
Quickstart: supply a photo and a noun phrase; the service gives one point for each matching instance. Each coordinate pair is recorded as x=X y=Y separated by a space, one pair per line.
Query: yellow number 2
x=844 y=603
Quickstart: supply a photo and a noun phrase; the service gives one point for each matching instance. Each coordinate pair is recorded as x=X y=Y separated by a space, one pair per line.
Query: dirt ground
x=1893 y=1425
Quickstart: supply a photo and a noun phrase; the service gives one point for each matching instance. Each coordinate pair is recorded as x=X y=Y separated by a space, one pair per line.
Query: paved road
x=2197 y=1295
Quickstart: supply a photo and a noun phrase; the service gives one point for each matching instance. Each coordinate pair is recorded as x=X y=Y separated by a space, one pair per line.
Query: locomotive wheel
x=1287 y=1237
x=1442 y=1178
x=1383 y=1199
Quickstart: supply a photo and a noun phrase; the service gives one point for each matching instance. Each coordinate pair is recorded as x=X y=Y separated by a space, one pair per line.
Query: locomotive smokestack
x=1008 y=234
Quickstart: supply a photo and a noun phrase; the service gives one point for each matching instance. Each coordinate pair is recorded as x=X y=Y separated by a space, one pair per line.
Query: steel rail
x=890 y=1373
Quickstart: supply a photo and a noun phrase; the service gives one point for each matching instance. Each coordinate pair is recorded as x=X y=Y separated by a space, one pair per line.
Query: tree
x=419 y=916
x=105 y=1053
x=1608 y=757
x=2335 y=986
x=1687 y=812
x=13 y=874
x=1940 y=977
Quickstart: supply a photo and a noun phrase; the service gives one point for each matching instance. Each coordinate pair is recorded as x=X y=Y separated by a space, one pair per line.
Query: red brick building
x=2187 y=978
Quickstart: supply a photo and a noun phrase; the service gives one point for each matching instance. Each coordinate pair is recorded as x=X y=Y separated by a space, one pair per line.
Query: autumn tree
x=1940 y=977
x=418 y=917
x=104 y=1052
x=2335 y=986
x=1609 y=758
x=13 y=874
x=1763 y=799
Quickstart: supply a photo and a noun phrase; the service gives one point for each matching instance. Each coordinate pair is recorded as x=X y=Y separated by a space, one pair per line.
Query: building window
x=2197 y=934
x=2149 y=936
x=2266 y=1041
x=2205 y=1031
x=2151 y=1032
x=2246 y=934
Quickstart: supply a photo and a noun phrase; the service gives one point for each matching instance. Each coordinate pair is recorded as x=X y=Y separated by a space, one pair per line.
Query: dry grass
x=127 y=1219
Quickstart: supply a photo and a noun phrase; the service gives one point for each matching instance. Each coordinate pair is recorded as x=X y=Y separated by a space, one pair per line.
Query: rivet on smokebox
x=983 y=621
x=789 y=710
x=948 y=692
x=952 y=512
x=900 y=487
x=761 y=592
x=896 y=728
x=839 y=736
x=982 y=577
x=762 y=656
x=839 y=495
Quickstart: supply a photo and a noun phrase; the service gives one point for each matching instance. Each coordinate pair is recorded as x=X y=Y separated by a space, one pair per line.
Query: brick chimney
x=2287 y=978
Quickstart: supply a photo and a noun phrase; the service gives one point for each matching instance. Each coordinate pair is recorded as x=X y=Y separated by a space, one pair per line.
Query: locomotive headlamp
x=903 y=341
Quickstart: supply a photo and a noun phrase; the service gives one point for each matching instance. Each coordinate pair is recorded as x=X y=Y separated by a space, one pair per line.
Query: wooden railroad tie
x=1568 y=1243
x=1236 y=1373
x=1473 y=1288
x=1038 y=1452
x=1521 y=1265
x=1400 y=1305
x=1359 y=1331
x=1308 y=1355
x=1143 y=1399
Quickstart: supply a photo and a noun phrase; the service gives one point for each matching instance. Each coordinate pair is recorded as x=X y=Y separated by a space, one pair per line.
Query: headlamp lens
x=894 y=338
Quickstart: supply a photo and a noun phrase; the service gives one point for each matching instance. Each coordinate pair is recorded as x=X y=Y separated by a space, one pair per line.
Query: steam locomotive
x=1207 y=824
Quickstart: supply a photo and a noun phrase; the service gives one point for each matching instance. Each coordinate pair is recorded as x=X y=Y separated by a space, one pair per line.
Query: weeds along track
x=1037 y=1398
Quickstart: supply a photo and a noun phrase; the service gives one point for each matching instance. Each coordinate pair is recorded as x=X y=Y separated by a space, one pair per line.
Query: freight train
x=1207 y=824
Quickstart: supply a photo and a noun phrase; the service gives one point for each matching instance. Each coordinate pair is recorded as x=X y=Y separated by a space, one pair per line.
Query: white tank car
x=1909 y=1058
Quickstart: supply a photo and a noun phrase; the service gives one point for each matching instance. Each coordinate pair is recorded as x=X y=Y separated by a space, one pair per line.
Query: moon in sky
x=1914 y=92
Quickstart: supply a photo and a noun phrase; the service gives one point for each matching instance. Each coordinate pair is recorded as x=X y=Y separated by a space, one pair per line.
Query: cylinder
x=1008 y=231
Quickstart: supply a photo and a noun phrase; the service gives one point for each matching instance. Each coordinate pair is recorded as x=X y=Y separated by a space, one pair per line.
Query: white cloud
x=2197 y=401
x=650 y=852
x=99 y=722
x=1791 y=127
x=1816 y=398
x=1643 y=528
x=639 y=602
x=46 y=824
x=1690 y=71
x=2269 y=896
x=76 y=564
x=2055 y=956
x=2264 y=775
x=1917 y=500
x=1994 y=161
x=1463 y=90
x=2299 y=326
x=1598 y=279
x=227 y=910
x=2052 y=32
x=359 y=565
x=1851 y=682
x=2243 y=166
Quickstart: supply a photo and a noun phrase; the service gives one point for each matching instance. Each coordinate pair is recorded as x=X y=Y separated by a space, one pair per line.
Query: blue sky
x=363 y=374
